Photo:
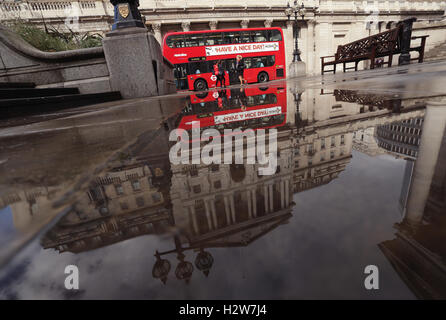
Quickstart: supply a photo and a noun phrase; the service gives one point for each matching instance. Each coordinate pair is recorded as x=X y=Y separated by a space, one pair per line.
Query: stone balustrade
x=53 y=9
x=61 y=9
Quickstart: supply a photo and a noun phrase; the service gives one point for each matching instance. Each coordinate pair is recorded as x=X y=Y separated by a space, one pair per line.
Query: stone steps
x=21 y=99
x=9 y=85
x=17 y=93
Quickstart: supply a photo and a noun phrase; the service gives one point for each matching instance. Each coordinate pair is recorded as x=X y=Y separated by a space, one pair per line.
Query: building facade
x=327 y=23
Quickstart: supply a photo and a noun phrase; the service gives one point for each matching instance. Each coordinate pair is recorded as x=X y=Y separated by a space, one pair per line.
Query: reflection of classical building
x=209 y=206
x=364 y=141
x=120 y=204
x=221 y=199
x=401 y=138
x=320 y=156
x=418 y=252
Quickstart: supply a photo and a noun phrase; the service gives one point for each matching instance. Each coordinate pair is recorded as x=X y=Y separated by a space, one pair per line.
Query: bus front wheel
x=263 y=77
x=200 y=85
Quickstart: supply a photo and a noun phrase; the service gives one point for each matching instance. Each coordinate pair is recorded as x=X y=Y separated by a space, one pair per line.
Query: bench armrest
x=419 y=37
x=323 y=58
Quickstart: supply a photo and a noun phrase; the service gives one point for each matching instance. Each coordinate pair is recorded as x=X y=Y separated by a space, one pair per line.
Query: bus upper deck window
x=275 y=35
x=231 y=37
x=259 y=36
x=176 y=41
x=245 y=37
x=213 y=38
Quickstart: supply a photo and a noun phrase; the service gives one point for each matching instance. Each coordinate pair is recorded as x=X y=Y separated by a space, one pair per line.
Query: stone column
x=310 y=46
x=227 y=210
x=234 y=220
x=324 y=42
x=282 y=194
x=265 y=194
x=244 y=23
x=208 y=215
x=271 y=198
x=157 y=31
x=254 y=202
x=431 y=139
x=213 y=24
x=268 y=23
x=287 y=193
x=194 y=219
x=248 y=193
x=186 y=26
x=214 y=213
x=289 y=43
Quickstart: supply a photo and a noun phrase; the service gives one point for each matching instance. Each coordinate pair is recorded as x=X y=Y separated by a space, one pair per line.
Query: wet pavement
x=360 y=180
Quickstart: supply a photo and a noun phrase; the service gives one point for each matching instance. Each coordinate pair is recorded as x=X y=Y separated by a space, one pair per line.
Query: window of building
x=333 y=141
x=197 y=189
x=140 y=202
x=156 y=197
x=124 y=206
x=103 y=211
x=119 y=189
x=217 y=184
x=136 y=185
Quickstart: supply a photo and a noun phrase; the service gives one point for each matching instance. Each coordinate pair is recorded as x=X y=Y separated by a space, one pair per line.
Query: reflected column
x=271 y=195
x=287 y=193
x=232 y=207
x=282 y=194
x=194 y=219
x=254 y=202
x=248 y=193
x=208 y=215
x=214 y=213
x=431 y=139
x=265 y=194
x=227 y=210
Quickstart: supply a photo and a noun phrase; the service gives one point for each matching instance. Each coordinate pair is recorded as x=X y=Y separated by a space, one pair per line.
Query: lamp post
x=297 y=67
x=184 y=269
x=296 y=11
x=126 y=14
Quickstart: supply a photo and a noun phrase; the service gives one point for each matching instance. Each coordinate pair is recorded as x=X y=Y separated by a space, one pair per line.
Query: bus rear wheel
x=200 y=85
x=263 y=77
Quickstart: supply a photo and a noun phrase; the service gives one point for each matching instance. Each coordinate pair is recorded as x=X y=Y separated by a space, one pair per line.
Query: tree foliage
x=50 y=39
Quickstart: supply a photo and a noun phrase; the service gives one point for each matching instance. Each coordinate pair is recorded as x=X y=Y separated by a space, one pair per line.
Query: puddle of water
x=344 y=192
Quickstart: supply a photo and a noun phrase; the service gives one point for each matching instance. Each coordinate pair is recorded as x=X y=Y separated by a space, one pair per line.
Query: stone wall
x=21 y=62
x=86 y=69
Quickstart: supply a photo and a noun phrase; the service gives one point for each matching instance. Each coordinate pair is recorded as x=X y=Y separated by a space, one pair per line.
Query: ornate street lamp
x=204 y=262
x=161 y=268
x=297 y=11
x=184 y=269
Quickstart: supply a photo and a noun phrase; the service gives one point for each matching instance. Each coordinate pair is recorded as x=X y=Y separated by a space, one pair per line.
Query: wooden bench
x=384 y=44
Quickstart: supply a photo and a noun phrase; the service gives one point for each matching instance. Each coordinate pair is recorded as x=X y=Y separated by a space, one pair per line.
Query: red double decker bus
x=254 y=108
x=194 y=54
